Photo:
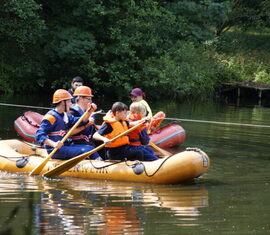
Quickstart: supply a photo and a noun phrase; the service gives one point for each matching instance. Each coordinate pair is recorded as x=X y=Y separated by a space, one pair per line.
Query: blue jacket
x=88 y=132
x=54 y=127
x=73 y=100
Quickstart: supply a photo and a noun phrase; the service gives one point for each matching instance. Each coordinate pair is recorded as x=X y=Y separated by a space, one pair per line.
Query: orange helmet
x=60 y=95
x=83 y=91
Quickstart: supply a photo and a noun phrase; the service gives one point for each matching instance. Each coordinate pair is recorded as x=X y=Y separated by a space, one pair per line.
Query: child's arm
x=105 y=129
x=144 y=137
x=99 y=137
x=134 y=123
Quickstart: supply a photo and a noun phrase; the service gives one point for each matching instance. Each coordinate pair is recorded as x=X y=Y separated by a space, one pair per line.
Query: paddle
x=162 y=151
x=74 y=161
x=39 y=168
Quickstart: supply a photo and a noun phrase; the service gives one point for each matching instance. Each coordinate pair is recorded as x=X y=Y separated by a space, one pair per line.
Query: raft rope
x=161 y=164
x=24 y=106
x=215 y=122
x=23 y=156
x=132 y=165
x=39 y=107
x=173 y=119
x=96 y=167
x=149 y=175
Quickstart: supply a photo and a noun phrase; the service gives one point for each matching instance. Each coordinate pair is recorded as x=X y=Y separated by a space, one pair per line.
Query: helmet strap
x=65 y=103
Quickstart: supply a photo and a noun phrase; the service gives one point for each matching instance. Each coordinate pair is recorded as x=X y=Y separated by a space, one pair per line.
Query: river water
x=233 y=197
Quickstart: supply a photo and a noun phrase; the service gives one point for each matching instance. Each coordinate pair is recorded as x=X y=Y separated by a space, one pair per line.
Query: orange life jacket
x=134 y=137
x=155 y=122
x=118 y=128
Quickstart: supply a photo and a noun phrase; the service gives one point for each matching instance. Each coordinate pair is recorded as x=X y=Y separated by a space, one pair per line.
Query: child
x=55 y=125
x=76 y=82
x=83 y=134
x=137 y=95
x=114 y=124
x=139 y=137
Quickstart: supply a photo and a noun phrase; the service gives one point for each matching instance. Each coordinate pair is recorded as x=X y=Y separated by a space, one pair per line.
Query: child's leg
x=133 y=153
x=148 y=154
x=67 y=152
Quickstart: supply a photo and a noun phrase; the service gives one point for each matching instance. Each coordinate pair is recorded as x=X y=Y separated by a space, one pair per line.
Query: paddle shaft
x=74 y=161
x=39 y=168
x=162 y=151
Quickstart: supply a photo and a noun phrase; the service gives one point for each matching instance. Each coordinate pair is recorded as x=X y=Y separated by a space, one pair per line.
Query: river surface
x=233 y=197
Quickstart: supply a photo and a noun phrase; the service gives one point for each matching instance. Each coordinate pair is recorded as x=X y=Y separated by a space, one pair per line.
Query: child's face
x=121 y=115
x=143 y=113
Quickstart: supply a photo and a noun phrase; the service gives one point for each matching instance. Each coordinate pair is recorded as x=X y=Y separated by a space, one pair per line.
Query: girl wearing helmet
x=55 y=125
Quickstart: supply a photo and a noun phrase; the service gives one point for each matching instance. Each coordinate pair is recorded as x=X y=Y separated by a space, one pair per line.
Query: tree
x=245 y=14
x=20 y=30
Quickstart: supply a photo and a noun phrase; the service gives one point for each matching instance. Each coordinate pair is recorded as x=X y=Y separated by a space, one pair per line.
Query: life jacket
x=118 y=128
x=60 y=126
x=134 y=136
x=155 y=122
x=85 y=134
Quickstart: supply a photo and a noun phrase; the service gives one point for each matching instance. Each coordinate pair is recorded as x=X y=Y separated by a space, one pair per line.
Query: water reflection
x=72 y=206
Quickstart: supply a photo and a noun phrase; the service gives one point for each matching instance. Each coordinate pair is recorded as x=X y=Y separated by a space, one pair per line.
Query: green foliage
x=20 y=22
x=168 y=48
x=245 y=15
x=245 y=56
x=262 y=76
x=185 y=72
x=20 y=29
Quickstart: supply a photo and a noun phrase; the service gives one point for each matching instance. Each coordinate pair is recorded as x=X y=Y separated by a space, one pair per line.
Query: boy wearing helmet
x=83 y=134
x=55 y=125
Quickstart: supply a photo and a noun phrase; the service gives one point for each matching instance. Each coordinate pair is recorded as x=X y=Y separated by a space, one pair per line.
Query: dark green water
x=232 y=198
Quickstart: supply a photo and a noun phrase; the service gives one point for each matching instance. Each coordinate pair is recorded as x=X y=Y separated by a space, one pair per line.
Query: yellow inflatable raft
x=19 y=156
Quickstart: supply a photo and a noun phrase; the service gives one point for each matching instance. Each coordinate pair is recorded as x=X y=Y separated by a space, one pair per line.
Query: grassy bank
x=245 y=55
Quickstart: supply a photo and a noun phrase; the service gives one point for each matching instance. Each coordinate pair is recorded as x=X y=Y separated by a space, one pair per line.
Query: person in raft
x=55 y=125
x=139 y=138
x=76 y=82
x=137 y=95
x=115 y=123
x=84 y=134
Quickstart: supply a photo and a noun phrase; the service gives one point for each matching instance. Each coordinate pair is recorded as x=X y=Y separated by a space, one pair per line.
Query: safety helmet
x=60 y=95
x=83 y=91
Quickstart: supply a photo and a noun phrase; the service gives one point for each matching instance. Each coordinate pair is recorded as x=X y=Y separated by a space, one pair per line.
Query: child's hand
x=93 y=107
x=58 y=144
x=91 y=121
x=106 y=141
x=148 y=119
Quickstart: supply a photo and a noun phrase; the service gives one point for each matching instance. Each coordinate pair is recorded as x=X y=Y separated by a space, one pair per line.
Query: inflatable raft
x=165 y=137
x=22 y=157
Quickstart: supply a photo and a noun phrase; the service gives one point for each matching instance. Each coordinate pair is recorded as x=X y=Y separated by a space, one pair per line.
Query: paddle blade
x=39 y=168
x=70 y=163
x=61 y=168
x=162 y=151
